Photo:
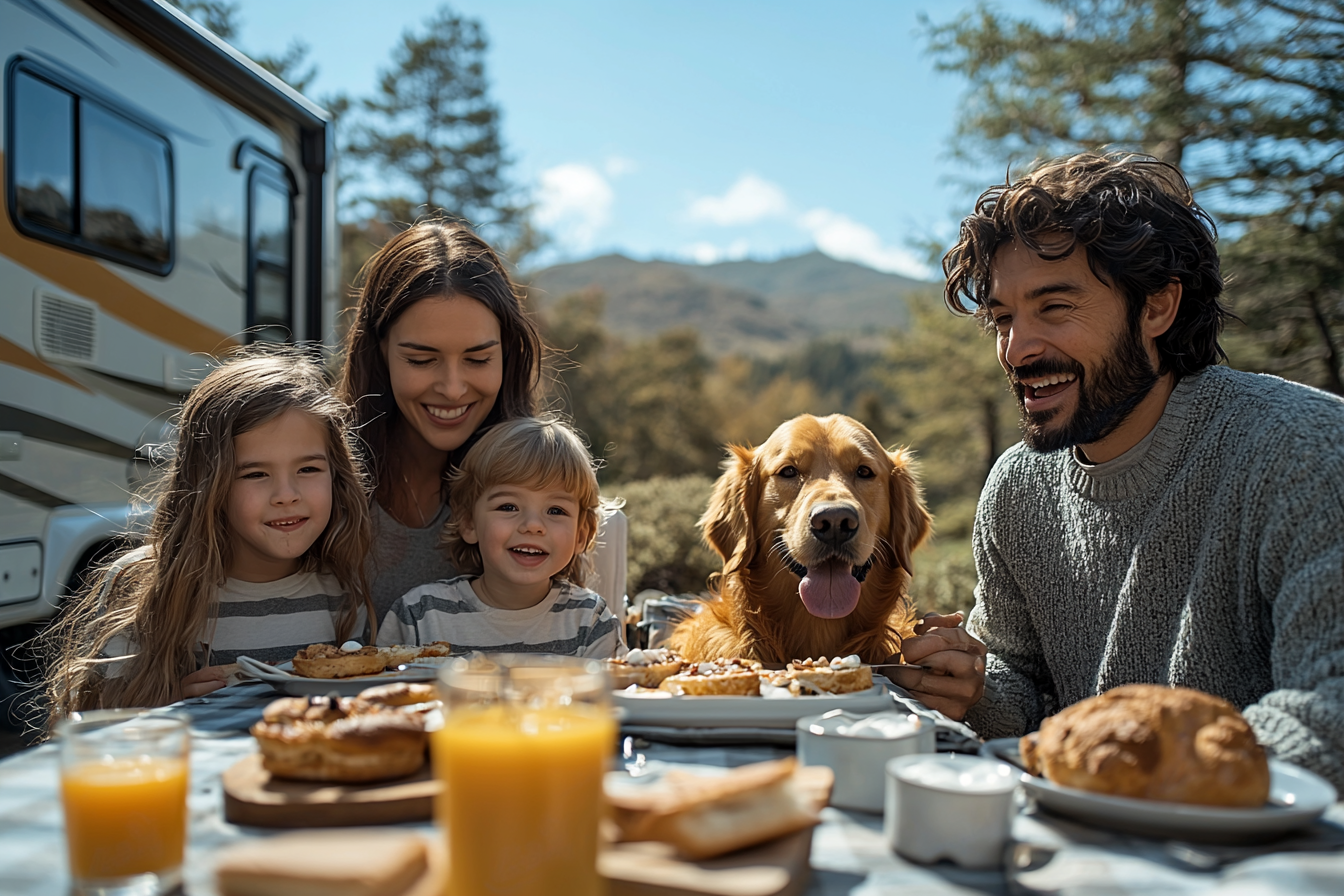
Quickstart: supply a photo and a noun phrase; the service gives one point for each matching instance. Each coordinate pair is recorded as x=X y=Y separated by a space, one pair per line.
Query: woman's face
x=446 y=364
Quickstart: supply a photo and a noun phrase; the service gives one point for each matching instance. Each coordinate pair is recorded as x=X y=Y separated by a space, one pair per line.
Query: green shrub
x=944 y=579
x=665 y=550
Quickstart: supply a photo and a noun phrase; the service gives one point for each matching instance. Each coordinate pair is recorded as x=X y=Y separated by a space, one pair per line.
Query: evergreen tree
x=432 y=123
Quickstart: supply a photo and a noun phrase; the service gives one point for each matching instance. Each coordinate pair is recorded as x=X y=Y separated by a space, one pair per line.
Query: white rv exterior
x=165 y=200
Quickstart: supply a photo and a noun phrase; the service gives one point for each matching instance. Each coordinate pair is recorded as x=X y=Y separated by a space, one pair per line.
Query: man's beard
x=1120 y=383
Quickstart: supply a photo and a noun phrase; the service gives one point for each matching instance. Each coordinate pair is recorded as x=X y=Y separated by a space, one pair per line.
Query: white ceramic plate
x=1297 y=797
x=283 y=679
x=742 y=712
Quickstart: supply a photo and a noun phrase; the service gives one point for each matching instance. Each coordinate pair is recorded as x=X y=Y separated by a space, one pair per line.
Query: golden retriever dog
x=815 y=528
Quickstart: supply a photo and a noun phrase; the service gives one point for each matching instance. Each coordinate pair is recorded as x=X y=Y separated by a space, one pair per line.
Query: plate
x=283 y=679
x=680 y=711
x=1297 y=797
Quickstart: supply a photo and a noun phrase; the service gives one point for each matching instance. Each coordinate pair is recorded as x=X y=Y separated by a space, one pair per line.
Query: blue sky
x=694 y=130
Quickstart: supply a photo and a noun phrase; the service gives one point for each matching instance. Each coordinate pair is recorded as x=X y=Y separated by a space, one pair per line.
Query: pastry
x=329 y=661
x=723 y=677
x=1153 y=742
x=646 y=668
x=842 y=675
x=337 y=739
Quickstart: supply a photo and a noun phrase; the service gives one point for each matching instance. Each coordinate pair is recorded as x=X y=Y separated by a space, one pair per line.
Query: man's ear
x=728 y=524
x=1159 y=312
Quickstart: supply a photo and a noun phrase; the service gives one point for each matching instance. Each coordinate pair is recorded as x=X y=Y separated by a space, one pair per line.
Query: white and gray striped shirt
x=269 y=621
x=572 y=621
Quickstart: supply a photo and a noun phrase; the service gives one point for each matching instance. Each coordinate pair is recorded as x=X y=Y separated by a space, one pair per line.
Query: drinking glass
x=124 y=787
x=525 y=742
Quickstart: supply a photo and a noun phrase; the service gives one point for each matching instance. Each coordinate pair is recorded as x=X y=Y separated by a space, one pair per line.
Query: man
x=1165 y=519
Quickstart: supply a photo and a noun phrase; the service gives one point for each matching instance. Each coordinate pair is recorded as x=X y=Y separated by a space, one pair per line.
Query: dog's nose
x=834 y=524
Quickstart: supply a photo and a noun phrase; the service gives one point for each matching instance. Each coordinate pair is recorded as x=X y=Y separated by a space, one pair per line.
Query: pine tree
x=431 y=122
x=1247 y=96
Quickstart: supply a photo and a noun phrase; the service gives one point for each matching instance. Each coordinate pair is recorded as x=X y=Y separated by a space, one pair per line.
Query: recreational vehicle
x=165 y=200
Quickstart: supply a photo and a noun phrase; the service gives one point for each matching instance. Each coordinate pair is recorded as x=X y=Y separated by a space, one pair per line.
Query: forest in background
x=1247 y=96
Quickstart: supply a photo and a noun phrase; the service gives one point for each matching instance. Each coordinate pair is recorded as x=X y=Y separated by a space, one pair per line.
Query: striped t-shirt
x=572 y=621
x=269 y=621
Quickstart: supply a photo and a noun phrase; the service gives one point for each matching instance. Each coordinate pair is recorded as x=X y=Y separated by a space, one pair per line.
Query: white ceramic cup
x=950 y=806
x=857 y=748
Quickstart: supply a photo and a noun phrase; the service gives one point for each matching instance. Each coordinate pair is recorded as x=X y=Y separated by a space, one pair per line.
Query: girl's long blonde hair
x=163 y=600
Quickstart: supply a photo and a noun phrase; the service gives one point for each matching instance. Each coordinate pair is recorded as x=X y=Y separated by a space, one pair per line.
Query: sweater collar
x=1148 y=463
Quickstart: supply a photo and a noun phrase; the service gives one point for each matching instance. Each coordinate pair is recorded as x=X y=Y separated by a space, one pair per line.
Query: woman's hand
x=955 y=678
x=204 y=681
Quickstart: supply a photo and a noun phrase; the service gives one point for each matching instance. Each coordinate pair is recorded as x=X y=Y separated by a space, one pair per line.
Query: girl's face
x=446 y=365
x=526 y=536
x=280 y=500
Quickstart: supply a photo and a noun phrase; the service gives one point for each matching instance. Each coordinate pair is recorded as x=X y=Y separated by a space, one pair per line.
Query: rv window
x=123 y=186
x=43 y=152
x=271 y=247
x=84 y=175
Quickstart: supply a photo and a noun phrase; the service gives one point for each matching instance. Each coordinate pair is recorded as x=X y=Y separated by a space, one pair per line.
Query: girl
x=440 y=347
x=256 y=546
x=525 y=512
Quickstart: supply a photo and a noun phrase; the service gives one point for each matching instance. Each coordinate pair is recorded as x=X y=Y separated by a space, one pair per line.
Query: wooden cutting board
x=777 y=868
x=253 y=797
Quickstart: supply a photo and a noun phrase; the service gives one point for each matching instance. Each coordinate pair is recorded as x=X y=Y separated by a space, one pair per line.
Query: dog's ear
x=728 y=524
x=910 y=521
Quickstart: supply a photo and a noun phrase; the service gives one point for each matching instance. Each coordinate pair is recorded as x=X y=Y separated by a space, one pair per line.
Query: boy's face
x=526 y=536
x=280 y=499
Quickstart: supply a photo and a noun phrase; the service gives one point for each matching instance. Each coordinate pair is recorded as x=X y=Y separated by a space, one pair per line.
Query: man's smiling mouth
x=1045 y=386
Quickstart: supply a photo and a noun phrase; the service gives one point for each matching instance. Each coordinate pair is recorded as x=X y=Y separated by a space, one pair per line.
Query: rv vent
x=67 y=329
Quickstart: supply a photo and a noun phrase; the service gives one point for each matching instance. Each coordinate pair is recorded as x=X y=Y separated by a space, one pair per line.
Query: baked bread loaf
x=351 y=862
x=730 y=677
x=842 y=675
x=1153 y=742
x=341 y=740
x=329 y=661
x=646 y=668
x=705 y=816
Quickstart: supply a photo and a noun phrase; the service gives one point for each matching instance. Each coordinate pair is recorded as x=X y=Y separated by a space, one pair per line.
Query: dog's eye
x=865 y=472
x=788 y=472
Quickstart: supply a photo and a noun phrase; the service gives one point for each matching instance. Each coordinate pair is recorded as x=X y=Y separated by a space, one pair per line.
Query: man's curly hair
x=1136 y=218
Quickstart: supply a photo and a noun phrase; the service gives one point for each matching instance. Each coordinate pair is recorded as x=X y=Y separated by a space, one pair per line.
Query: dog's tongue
x=830 y=590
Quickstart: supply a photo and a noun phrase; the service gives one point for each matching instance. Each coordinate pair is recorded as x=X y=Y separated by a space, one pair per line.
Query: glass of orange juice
x=524 y=745
x=124 y=791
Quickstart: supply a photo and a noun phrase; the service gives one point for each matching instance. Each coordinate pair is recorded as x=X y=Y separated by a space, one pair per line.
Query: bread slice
x=349 y=862
x=706 y=816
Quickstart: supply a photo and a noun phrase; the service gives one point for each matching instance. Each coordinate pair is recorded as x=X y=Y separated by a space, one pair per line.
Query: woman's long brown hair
x=433 y=259
x=163 y=601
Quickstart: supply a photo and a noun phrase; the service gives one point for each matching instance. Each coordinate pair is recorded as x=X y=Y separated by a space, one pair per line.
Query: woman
x=440 y=347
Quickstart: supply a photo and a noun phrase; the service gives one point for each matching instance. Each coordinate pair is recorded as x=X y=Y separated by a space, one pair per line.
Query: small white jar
x=857 y=748
x=950 y=806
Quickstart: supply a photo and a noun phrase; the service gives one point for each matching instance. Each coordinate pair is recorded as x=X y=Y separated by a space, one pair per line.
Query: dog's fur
x=763 y=506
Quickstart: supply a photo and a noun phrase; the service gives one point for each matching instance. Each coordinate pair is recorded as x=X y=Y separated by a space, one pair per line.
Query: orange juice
x=522 y=798
x=125 y=816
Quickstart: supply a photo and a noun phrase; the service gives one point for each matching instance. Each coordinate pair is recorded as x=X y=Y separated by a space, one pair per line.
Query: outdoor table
x=849 y=854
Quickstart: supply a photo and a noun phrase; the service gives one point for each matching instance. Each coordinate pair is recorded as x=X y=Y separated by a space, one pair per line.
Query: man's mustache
x=1042 y=368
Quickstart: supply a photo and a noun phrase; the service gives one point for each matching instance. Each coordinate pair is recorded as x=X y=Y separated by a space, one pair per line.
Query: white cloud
x=619 y=166
x=708 y=253
x=848 y=240
x=749 y=199
x=574 y=203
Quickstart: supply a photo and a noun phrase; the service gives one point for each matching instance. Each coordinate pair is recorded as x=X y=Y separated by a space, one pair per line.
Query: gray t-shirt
x=403 y=557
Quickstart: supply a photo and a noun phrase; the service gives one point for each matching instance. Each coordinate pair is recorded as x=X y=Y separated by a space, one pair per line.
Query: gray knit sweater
x=1209 y=556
